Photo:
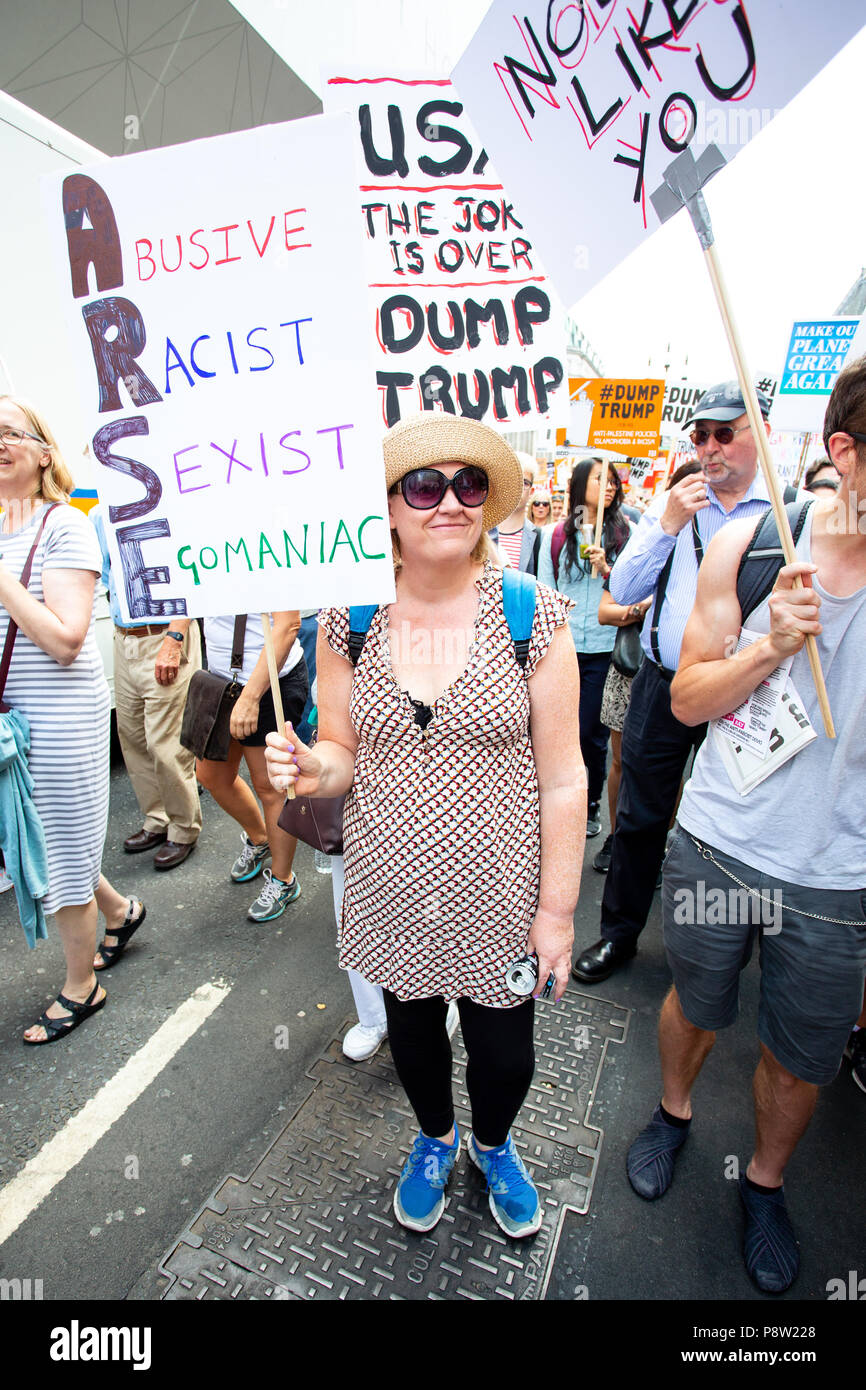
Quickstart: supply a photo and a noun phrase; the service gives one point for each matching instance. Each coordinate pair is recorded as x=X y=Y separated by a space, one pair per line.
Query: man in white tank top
x=784 y=864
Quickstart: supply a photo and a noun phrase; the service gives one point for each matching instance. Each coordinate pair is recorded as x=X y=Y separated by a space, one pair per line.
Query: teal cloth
x=22 y=838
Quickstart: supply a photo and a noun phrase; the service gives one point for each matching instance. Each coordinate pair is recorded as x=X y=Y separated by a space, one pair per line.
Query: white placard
x=584 y=105
x=462 y=316
x=216 y=302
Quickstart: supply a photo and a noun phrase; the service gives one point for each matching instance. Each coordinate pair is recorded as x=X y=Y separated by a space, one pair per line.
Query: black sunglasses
x=424 y=488
x=724 y=434
x=855 y=435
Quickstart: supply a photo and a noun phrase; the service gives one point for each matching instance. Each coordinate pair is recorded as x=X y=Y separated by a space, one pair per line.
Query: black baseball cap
x=725 y=402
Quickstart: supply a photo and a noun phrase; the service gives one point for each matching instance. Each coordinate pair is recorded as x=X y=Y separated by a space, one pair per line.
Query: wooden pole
x=756 y=421
x=275 y=684
x=807 y=440
x=599 y=515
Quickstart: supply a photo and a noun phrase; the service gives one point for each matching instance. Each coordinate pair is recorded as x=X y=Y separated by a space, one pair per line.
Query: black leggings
x=500 y=1066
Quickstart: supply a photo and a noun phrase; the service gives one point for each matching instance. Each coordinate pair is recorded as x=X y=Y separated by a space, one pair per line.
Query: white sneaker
x=362 y=1042
x=5 y=881
x=452 y=1018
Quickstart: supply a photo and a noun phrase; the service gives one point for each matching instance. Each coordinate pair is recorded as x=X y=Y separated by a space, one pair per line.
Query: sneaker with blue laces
x=513 y=1199
x=274 y=897
x=250 y=861
x=419 y=1199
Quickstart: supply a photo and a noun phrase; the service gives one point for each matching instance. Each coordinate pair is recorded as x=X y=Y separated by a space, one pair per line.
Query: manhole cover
x=314 y=1218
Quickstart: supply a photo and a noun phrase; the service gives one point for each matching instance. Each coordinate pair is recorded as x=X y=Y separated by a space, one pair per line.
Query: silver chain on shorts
x=817 y=916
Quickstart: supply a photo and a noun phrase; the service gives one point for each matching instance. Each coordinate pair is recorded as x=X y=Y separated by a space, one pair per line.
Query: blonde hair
x=56 y=482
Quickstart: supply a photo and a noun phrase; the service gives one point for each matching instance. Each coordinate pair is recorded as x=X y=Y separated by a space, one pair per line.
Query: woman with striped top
x=57 y=682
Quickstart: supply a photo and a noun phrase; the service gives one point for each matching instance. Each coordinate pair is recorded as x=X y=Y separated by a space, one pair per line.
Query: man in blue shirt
x=662 y=559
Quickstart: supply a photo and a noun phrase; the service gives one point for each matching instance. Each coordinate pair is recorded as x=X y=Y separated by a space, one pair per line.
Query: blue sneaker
x=419 y=1199
x=512 y=1196
x=274 y=897
x=250 y=861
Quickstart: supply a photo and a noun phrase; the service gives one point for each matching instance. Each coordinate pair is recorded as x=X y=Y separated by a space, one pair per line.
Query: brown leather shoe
x=172 y=854
x=144 y=839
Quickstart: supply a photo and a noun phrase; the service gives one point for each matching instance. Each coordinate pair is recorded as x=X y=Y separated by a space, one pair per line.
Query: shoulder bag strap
x=238 y=637
x=12 y=629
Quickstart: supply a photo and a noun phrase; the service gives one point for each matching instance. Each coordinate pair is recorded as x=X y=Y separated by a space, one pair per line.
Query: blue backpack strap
x=359 y=625
x=518 y=601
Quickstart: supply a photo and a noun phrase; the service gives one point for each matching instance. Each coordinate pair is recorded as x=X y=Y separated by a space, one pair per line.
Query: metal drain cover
x=315 y=1219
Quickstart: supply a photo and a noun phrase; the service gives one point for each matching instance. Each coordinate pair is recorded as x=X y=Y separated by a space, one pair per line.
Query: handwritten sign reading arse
x=816 y=354
x=462 y=316
x=217 y=312
x=584 y=103
x=624 y=416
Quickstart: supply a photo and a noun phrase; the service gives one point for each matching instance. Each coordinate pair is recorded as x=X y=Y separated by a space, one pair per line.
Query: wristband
x=178 y=636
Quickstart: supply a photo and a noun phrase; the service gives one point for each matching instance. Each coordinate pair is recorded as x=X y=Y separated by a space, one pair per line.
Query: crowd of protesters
x=508 y=738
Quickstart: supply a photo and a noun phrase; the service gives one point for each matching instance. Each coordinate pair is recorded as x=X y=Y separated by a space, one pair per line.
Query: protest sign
x=681 y=397
x=583 y=105
x=216 y=301
x=623 y=416
x=462 y=318
x=817 y=351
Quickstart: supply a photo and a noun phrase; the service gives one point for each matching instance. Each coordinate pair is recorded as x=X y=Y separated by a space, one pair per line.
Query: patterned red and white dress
x=441 y=829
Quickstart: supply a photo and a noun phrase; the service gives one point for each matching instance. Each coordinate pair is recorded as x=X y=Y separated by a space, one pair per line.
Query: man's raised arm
x=712 y=678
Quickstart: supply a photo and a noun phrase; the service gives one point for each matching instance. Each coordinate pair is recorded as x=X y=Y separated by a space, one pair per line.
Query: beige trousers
x=148 y=722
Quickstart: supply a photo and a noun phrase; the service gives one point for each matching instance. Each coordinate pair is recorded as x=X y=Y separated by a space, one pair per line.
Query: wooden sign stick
x=683 y=181
x=599 y=514
x=807 y=440
x=275 y=684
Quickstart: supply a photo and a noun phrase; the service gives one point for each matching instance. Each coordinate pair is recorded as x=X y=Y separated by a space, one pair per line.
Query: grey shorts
x=812 y=971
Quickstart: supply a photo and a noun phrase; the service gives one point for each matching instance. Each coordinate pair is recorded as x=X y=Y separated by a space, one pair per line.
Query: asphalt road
x=213 y=1105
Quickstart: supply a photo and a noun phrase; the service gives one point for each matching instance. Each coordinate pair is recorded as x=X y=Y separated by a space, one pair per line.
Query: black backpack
x=763 y=557
x=762 y=567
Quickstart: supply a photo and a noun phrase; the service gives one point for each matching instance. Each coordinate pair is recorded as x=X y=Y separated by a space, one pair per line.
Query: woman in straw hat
x=462 y=836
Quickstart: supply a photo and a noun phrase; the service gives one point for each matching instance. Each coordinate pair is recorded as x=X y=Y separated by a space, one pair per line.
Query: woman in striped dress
x=57 y=682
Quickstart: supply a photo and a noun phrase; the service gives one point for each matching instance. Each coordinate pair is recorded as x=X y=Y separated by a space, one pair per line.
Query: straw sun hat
x=428 y=440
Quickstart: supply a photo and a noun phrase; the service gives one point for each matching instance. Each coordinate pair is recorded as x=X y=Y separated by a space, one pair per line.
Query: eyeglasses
x=10 y=435
x=424 y=488
x=541 y=504
x=724 y=434
x=528 y=482
x=855 y=435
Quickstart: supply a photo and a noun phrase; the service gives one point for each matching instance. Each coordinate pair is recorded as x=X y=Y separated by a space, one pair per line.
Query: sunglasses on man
x=723 y=433
x=424 y=488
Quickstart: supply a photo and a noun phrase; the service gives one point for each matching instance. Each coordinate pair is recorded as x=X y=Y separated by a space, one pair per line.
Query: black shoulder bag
x=210 y=699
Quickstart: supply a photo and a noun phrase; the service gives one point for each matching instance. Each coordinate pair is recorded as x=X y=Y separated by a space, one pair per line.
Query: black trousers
x=655 y=750
x=500 y=1066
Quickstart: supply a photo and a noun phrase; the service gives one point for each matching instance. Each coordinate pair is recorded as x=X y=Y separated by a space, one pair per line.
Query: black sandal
x=59 y=1027
x=109 y=954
